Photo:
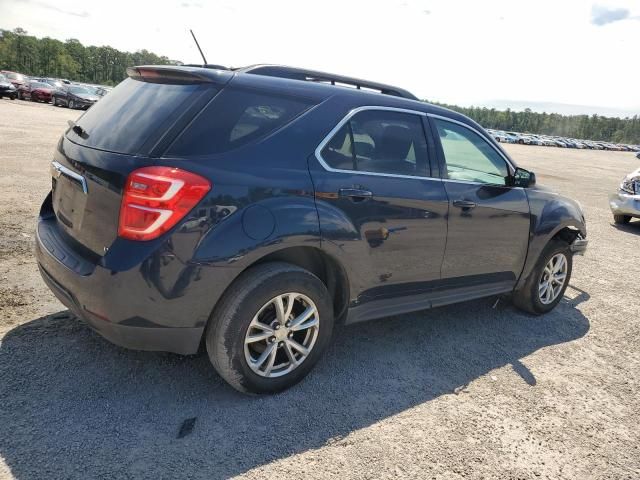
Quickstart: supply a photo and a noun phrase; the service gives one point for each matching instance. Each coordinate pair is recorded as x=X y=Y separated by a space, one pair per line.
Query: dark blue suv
x=252 y=209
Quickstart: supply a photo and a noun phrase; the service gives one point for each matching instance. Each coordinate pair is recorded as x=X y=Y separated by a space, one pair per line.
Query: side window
x=380 y=141
x=470 y=157
x=235 y=118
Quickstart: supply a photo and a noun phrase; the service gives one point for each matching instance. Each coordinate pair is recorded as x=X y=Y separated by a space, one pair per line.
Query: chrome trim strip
x=344 y=120
x=469 y=127
x=62 y=170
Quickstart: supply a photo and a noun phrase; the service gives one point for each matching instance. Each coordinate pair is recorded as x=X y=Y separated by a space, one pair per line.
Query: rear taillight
x=156 y=198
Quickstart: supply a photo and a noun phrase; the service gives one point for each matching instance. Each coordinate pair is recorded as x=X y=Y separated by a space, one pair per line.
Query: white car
x=626 y=203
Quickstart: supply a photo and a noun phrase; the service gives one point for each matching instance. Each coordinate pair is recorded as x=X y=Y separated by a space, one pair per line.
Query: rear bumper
x=155 y=302
x=622 y=203
x=177 y=340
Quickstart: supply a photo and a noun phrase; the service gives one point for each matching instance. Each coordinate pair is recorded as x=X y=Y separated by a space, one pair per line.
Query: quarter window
x=469 y=157
x=379 y=141
x=235 y=118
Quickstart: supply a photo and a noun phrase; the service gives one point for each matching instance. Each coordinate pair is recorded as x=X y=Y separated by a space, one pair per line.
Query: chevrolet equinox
x=250 y=210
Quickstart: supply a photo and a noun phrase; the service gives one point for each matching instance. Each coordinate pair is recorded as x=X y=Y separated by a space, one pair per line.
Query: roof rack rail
x=323 y=77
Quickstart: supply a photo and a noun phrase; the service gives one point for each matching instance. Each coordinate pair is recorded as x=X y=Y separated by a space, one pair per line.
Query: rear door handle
x=355 y=194
x=464 y=204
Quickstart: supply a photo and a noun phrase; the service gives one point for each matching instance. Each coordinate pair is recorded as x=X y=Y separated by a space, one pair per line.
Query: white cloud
x=456 y=51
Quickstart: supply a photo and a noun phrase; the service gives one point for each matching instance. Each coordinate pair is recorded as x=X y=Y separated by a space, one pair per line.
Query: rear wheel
x=71 y=104
x=548 y=281
x=270 y=328
x=621 y=219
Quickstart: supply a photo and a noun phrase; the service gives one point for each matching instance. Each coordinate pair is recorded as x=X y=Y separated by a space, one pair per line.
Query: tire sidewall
x=552 y=249
x=227 y=333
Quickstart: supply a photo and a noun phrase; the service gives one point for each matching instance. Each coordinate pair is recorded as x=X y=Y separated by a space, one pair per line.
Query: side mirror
x=523 y=178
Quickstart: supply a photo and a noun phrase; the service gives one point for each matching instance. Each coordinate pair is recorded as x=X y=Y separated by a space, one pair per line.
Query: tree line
x=47 y=57
x=586 y=127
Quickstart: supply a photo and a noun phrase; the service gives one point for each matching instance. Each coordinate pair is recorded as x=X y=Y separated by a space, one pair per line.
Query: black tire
x=621 y=219
x=225 y=334
x=521 y=142
x=70 y=104
x=527 y=298
x=13 y=97
x=20 y=96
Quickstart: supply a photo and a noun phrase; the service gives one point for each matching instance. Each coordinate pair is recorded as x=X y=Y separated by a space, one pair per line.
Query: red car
x=16 y=78
x=35 y=91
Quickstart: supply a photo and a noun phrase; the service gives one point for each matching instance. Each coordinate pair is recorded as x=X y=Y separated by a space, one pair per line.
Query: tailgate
x=86 y=193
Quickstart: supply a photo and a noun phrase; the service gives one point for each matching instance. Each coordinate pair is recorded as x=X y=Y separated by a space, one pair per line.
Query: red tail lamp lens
x=156 y=198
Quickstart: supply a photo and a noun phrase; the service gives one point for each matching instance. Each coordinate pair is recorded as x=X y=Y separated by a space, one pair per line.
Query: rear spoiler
x=178 y=74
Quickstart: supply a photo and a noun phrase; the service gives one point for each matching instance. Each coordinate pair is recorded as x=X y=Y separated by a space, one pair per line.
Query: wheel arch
x=322 y=265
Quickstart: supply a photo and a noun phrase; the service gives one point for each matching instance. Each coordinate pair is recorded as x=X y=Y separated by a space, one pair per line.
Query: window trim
x=510 y=166
x=346 y=118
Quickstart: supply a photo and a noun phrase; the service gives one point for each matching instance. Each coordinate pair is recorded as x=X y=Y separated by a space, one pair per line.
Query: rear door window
x=125 y=119
x=380 y=141
x=236 y=117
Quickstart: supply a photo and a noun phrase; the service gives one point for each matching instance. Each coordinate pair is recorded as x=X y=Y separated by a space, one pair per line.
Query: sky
x=560 y=54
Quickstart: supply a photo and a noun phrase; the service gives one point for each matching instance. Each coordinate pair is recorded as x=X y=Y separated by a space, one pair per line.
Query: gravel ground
x=467 y=391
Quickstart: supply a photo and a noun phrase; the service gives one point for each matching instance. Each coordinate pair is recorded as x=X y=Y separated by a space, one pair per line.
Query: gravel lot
x=462 y=391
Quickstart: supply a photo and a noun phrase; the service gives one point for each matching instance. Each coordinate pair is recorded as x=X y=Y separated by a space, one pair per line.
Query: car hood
x=6 y=84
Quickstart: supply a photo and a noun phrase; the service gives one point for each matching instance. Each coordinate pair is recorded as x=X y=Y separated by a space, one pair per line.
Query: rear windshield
x=122 y=121
x=236 y=117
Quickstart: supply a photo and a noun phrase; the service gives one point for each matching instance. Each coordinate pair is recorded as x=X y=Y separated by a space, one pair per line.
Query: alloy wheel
x=553 y=279
x=281 y=335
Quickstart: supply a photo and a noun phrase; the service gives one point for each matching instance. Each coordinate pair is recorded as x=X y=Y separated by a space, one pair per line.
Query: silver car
x=626 y=203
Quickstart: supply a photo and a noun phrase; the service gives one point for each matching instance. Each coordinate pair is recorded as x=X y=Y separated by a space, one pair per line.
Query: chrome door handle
x=464 y=204
x=355 y=194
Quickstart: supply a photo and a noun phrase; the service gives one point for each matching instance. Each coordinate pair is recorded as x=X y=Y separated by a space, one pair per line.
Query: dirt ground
x=467 y=391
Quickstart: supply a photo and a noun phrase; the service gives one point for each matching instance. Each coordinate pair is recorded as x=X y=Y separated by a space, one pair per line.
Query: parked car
x=625 y=204
x=500 y=137
x=535 y=140
x=253 y=209
x=35 y=91
x=513 y=137
x=7 y=89
x=15 y=78
x=74 y=96
x=55 y=83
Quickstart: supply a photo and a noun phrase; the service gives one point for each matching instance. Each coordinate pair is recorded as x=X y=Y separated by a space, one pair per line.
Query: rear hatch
x=120 y=133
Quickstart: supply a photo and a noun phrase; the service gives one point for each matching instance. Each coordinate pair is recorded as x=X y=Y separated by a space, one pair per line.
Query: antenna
x=198 y=45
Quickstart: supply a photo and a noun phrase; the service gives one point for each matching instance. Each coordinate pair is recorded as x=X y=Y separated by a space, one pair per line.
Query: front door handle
x=355 y=194
x=464 y=204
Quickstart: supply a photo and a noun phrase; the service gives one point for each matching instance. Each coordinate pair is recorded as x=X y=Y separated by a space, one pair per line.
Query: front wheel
x=270 y=328
x=71 y=104
x=548 y=281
